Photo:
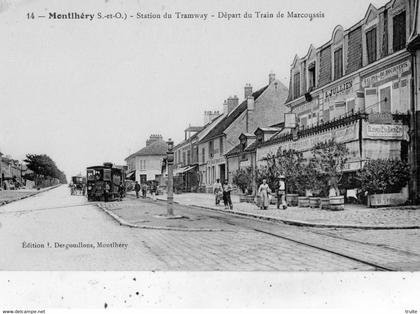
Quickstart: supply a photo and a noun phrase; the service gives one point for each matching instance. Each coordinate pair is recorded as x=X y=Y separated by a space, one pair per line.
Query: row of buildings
x=11 y=172
x=360 y=87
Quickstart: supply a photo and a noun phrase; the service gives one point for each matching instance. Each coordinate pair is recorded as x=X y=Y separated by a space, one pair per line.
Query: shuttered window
x=399 y=32
x=371 y=45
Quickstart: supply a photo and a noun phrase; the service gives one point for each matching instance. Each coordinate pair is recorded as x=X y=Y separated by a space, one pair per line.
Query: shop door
x=385 y=99
x=222 y=173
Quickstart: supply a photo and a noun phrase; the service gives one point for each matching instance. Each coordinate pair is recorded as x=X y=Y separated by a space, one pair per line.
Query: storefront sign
x=385 y=74
x=338 y=90
x=384 y=130
x=216 y=161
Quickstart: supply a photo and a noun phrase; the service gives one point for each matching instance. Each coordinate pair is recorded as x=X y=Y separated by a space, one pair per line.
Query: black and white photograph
x=209 y=154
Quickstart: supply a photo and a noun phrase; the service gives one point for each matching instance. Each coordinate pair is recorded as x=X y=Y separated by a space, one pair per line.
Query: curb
x=304 y=223
x=29 y=195
x=125 y=223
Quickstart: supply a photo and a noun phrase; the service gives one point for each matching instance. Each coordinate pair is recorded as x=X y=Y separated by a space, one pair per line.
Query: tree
x=384 y=176
x=44 y=168
x=291 y=164
x=328 y=161
x=243 y=179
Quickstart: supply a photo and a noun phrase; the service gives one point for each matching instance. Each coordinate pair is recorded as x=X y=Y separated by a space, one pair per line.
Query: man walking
x=227 y=188
x=217 y=191
x=281 y=193
x=137 y=188
x=143 y=190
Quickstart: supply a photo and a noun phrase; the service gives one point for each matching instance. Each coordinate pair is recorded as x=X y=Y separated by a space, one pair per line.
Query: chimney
x=232 y=103
x=209 y=116
x=225 y=107
x=247 y=90
x=271 y=78
x=250 y=103
x=153 y=138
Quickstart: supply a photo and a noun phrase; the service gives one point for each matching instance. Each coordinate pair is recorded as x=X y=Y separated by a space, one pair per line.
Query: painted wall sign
x=385 y=130
x=342 y=135
x=385 y=74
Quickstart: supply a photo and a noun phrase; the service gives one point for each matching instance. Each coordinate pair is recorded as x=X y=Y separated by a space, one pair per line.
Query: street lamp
x=170 y=161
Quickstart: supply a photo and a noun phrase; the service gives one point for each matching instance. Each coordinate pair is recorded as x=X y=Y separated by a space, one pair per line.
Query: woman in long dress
x=264 y=191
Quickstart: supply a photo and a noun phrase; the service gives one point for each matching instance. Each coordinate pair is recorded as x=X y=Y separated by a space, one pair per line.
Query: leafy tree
x=328 y=161
x=291 y=164
x=384 y=176
x=44 y=168
x=243 y=179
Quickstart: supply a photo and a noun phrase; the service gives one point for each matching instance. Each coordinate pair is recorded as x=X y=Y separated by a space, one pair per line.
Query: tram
x=77 y=185
x=103 y=182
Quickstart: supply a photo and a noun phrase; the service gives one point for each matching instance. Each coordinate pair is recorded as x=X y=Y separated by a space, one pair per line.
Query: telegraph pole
x=170 y=160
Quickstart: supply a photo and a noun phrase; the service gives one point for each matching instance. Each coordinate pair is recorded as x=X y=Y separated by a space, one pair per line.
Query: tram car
x=77 y=186
x=103 y=182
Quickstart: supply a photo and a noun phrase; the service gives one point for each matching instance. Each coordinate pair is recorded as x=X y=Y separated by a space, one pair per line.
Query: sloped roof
x=156 y=148
x=228 y=120
x=238 y=149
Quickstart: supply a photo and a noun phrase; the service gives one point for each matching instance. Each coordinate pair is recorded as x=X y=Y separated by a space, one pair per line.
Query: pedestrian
x=217 y=191
x=121 y=190
x=143 y=190
x=281 y=193
x=137 y=188
x=264 y=192
x=227 y=188
x=153 y=190
x=107 y=190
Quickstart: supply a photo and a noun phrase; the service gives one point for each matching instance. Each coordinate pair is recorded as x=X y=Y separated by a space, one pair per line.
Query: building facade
x=356 y=88
x=146 y=164
x=265 y=106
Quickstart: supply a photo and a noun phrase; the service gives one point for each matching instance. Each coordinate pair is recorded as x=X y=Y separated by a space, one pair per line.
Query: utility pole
x=170 y=161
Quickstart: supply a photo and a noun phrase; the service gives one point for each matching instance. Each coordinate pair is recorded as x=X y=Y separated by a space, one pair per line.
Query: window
x=221 y=146
x=385 y=98
x=311 y=76
x=296 y=85
x=338 y=63
x=211 y=149
x=188 y=157
x=203 y=155
x=371 y=45
x=398 y=40
x=183 y=159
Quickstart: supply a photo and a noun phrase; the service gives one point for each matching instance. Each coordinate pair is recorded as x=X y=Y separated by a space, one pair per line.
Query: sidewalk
x=8 y=196
x=353 y=216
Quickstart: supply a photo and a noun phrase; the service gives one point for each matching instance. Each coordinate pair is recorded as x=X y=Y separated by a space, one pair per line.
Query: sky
x=85 y=92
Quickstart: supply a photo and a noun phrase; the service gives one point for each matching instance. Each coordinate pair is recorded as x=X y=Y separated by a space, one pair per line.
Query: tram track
x=242 y=222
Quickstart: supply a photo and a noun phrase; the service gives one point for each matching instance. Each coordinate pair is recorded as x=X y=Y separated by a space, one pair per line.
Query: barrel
x=292 y=200
x=314 y=202
x=303 y=201
x=336 y=202
x=325 y=203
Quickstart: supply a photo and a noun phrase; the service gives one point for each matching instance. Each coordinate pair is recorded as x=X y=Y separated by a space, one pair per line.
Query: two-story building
x=355 y=88
x=146 y=164
x=262 y=107
x=186 y=156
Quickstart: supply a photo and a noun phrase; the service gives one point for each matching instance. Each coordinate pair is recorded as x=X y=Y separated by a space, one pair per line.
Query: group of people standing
x=143 y=188
x=223 y=192
x=264 y=192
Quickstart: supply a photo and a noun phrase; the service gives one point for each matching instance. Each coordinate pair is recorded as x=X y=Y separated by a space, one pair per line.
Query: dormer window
x=371 y=45
x=311 y=76
x=296 y=85
x=338 y=63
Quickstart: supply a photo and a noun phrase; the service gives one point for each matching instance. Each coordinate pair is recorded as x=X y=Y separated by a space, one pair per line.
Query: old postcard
x=209 y=154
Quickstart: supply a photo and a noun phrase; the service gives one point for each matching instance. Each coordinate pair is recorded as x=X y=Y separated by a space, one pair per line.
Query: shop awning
x=130 y=175
x=184 y=169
